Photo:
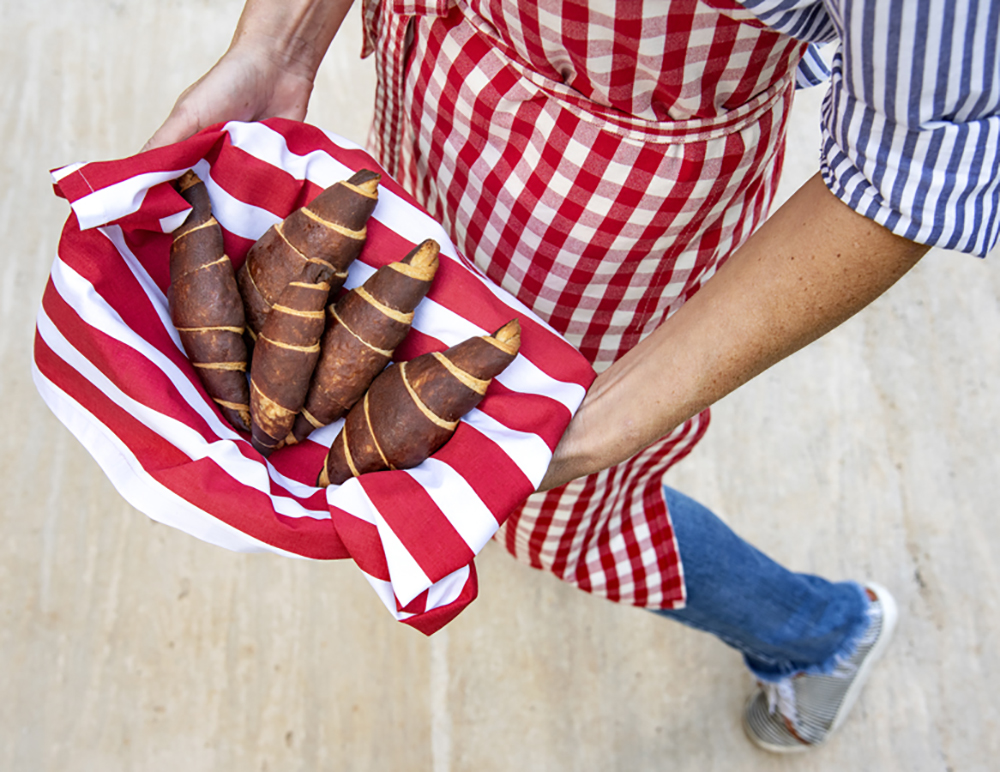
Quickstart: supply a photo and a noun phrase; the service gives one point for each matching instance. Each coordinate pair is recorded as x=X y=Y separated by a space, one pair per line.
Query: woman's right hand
x=267 y=72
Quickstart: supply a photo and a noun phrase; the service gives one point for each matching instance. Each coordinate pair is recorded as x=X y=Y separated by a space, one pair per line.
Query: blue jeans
x=784 y=623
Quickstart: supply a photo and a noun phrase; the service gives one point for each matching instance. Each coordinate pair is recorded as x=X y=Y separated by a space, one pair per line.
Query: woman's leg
x=810 y=642
x=783 y=622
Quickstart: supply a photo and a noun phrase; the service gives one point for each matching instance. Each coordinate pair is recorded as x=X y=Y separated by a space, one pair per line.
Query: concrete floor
x=128 y=646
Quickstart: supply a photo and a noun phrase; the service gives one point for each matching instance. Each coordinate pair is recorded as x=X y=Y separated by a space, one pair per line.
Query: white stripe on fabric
x=172 y=222
x=447 y=590
x=384 y=591
x=81 y=296
x=135 y=485
x=407 y=577
x=238 y=217
x=458 y=502
x=118 y=200
x=523 y=375
x=63 y=172
x=353 y=500
x=267 y=145
x=525 y=449
x=184 y=438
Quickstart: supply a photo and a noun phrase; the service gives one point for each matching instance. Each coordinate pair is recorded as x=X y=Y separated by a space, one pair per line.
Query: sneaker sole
x=890 y=614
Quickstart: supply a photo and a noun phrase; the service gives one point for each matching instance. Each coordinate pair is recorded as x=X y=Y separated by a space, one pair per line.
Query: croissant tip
x=366 y=181
x=370 y=187
x=425 y=255
x=509 y=335
x=187 y=180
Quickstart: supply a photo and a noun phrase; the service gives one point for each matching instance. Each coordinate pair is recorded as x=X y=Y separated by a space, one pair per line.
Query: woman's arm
x=811 y=266
x=267 y=71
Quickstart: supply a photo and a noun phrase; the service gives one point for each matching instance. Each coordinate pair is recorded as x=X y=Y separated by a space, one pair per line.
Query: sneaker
x=800 y=713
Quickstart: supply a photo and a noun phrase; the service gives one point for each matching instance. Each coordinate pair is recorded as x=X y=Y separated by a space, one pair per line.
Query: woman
x=602 y=161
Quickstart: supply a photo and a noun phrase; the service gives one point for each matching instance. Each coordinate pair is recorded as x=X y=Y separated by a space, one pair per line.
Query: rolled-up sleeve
x=911 y=126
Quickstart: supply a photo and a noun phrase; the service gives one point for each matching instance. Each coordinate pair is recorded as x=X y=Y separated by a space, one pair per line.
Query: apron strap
x=386 y=24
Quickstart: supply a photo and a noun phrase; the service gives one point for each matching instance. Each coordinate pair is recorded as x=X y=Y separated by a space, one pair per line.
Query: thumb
x=176 y=128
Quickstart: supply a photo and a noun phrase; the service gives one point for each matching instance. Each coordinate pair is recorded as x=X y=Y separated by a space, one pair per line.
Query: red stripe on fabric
x=362 y=541
x=142 y=380
x=102 y=174
x=536 y=415
x=497 y=480
x=150 y=249
x=429 y=622
x=201 y=482
x=416 y=521
x=549 y=354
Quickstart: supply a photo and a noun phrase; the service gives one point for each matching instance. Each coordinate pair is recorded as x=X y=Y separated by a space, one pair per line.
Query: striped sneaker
x=802 y=712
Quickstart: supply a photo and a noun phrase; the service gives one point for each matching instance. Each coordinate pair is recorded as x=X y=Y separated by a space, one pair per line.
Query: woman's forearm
x=811 y=266
x=298 y=32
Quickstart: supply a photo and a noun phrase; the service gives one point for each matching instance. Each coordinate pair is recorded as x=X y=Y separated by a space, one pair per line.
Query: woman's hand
x=242 y=86
x=267 y=72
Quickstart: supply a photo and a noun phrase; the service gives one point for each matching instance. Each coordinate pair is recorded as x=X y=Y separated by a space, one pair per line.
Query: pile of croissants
x=315 y=354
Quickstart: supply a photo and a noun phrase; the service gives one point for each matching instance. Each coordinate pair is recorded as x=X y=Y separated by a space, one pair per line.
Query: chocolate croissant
x=205 y=305
x=414 y=407
x=285 y=355
x=362 y=332
x=331 y=229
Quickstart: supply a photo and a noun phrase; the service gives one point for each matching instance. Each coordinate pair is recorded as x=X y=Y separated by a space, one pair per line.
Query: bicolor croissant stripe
x=285 y=355
x=330 y=229
x=413 y=408
x=363 y=330
x=205 y=305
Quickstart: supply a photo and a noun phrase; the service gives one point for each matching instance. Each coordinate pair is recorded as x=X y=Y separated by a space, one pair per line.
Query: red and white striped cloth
x=109 y=363
x=599 y=160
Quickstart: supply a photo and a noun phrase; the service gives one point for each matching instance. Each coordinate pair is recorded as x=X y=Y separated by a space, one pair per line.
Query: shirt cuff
x=938 y=185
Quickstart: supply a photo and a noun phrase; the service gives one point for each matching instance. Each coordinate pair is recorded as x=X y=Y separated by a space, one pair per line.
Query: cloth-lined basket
x=109 y=363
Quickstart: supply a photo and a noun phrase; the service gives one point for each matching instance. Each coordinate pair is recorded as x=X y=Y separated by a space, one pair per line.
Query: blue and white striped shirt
x=911 y=124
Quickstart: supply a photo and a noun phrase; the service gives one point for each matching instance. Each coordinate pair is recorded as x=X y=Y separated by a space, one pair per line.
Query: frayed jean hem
x=781 y=671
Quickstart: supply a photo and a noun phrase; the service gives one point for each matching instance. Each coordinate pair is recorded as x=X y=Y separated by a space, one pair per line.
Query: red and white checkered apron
x=599 y=160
